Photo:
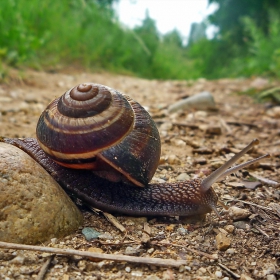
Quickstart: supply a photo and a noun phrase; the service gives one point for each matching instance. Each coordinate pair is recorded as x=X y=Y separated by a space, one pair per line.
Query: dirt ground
x=194 y=143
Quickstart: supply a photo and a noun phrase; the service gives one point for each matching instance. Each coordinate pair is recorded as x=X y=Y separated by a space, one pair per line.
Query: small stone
x=33 y=207
x=137 y=273
x=150 y=251
x=245 y=277
x=182 y=268
x=274 y=112
x=19 y=259
x=54 y=240
x=166 y=126
x=131 y=251
x=90 y=233
x=230 y=251
x=173 y=159
x=237 y=213
x=218 y=274
x=182 y=231
x=81 y=264
x=202 y=270
x=222 y=242
x=168 y=274
x=152 y=277
x=170 y=227
x=270 y=277
x=183 y=177
x=215 y=130
x=242 y=225
x=179 y=143
x=105 y=236
x=200 y=160
x=229 y=228
x=127 y=269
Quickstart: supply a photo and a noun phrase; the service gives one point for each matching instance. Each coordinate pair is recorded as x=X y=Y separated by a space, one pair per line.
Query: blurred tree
x=230 y=12
x=148 y=33
x=173 y=38
x=198 y=32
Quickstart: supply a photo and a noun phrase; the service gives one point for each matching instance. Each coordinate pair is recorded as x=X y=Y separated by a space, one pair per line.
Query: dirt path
x=193 y=144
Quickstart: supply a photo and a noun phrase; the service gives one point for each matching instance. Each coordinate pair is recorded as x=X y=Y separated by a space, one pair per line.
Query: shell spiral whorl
x=92 y=123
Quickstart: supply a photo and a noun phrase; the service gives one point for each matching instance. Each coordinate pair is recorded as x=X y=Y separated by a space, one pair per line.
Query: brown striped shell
x=93 y=126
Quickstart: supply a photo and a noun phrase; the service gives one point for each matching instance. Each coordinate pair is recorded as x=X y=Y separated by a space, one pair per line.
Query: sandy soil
x=193 y=144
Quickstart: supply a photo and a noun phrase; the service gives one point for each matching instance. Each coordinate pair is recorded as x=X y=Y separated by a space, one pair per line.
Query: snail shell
x=96 y=127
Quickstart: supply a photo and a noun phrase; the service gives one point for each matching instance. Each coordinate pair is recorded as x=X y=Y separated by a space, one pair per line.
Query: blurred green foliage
x=86 y=33
x=248 y=40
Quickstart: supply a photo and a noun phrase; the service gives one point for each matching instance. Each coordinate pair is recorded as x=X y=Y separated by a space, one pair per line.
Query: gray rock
x=33 y=207
x=90 y=233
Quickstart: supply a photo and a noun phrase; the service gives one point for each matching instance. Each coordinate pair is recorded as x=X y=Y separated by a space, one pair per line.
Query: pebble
x=237 y=213
x=222 y=242
x=90 y=233
x=230 y=251
x=131 y=251
x=242 y=225
x=173 y=159
x=137 y=273
x=182 y=231
x=245 y=277
x=19 y=259
x=105 y=236
x=229 y=228
x=166 y=126
x=201 y=101
x=183 y=177
x=127 y=269
x=33 y=207
x=150 y=251
x=178 y=142
x=214 y=130
x=270 y=277
x=152 y=277
x=218 y=273
x=274 y=112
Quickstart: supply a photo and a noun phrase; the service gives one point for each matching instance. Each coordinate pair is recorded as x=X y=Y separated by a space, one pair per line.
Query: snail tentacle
x=223 y=171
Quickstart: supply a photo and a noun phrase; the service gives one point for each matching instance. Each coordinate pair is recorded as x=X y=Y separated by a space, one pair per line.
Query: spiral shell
x=92 y=125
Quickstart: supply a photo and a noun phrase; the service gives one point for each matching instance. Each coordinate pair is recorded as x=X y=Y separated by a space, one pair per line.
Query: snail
x=103 y=147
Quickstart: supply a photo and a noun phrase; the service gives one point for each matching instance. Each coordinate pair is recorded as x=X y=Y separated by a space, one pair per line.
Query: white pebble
x=218 y=273
x=127 y=269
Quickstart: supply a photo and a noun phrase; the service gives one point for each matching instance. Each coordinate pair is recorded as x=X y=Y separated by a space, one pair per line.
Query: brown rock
x=33 y=207
x=237 y=213
x=222 y=242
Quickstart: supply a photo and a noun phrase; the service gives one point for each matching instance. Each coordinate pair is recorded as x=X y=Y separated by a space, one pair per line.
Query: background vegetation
x=53 y=34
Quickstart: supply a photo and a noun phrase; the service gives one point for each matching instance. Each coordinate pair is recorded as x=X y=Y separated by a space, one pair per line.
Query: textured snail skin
x=176 y=199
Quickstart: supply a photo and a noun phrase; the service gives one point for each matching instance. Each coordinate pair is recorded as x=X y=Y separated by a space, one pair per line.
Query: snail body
x=69 y=138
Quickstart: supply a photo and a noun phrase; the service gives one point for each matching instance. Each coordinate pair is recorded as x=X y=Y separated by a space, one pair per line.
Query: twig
x=261 y=231
x=44 y=269
x=235 y=275
x=264 y=180
x=188 y=249
x=100 y=256
x=249 y=203
x=114 y=222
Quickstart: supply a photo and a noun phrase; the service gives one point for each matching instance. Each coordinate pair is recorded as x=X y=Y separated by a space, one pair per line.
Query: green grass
x=44 y=34
x=49 y=35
